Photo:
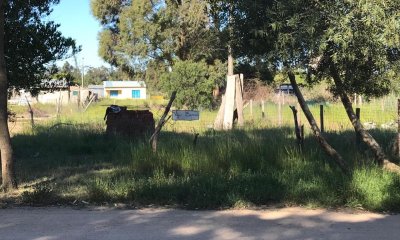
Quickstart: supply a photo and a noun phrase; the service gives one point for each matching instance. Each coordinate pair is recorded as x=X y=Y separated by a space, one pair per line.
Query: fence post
x=262 y=109
x=355 y=99
x=302 y=136
x=251 y=108
x=321 y=117
x=358 y=137
x=398 y=127
x=280 y=110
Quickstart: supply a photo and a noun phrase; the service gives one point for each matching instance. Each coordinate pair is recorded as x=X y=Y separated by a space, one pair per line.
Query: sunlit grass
x=258 y=165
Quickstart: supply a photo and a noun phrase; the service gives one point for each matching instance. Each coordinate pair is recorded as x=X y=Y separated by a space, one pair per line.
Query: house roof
x=124 y=84
x=95 y=86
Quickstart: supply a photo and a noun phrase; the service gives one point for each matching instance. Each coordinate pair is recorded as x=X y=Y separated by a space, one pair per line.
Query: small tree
x=194 y=82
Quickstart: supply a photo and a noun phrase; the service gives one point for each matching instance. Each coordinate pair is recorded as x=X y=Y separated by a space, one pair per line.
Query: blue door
x=136 y=94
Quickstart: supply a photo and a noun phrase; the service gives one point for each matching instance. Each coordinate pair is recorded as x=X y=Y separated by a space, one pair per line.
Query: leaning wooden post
x=154 y=138
x=358 y=137
x=317 y=132
x=251 y=108
x=31 y=113
x=262 y=109
x=398 y=127
x=321 y=117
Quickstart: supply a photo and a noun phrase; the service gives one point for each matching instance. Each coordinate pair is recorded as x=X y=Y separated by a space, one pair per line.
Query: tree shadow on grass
x=225 y=169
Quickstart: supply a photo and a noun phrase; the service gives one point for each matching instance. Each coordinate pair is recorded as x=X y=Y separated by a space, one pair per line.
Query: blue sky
x=78 y=23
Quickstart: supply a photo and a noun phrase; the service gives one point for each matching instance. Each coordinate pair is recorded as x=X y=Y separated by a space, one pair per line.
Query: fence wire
x=377 y=113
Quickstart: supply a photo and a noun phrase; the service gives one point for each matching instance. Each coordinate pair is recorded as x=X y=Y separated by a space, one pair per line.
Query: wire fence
x=376 y=113
x=273 y=112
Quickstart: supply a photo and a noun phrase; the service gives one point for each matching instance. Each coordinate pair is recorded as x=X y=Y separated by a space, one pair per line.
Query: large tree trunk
x=317 y=132
x=380 y=156
x=7 y=164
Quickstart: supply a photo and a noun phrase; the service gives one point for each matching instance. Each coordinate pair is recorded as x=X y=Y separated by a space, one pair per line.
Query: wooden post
x=358 y=137
x=358 y=113
x=321 y=117
x=398 y=128
x=239 y=101
x=355 y=99
x=154 y=138
x=262 y=109
x=297 y=127
x=251 y=108
x=280 y=110
x=79 y=98
x=90 y=102
x=229 y=102
x=31 y=113
x=196 y=137
x=300 y=118
x=302 y=136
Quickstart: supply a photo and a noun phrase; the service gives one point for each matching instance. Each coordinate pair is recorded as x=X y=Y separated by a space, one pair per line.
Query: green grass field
x=255 y=166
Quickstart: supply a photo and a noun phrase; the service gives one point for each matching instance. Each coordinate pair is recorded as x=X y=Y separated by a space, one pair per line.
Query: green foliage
x=357 y=39
x=140 y=32
x=194 y=82
x=67 y=73
x=31 y=42
x=96 y=76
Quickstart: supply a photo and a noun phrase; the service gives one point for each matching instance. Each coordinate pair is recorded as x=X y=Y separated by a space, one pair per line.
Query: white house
x=125 y=89
x=97 y=89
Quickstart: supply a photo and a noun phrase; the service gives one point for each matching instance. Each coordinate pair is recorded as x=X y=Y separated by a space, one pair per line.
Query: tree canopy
x=359 y=39
x=31 y=42
x=138 y=32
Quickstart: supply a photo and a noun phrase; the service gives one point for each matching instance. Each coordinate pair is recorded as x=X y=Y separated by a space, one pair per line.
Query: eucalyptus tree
x=147 y=38
x=138 y=32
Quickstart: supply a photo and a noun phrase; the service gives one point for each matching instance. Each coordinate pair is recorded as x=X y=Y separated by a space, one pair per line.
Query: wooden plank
x=239 y=101
x=229 y=103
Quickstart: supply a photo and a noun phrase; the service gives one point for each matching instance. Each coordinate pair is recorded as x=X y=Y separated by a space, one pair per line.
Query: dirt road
x=288 y=223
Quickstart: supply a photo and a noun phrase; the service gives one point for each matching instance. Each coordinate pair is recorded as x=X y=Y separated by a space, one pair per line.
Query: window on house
x=136 y=94
x=114 y=93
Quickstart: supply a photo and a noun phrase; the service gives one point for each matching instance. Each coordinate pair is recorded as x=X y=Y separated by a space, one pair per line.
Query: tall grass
x=226 y=169
x=259 y=165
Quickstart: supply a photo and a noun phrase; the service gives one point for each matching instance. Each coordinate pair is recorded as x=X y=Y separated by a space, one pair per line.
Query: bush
x=194 y=83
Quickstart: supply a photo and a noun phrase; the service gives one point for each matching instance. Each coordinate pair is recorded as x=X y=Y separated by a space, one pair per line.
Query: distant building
x=97 y=89
x=125 y=89
x=55 y=96
x=285 y=88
